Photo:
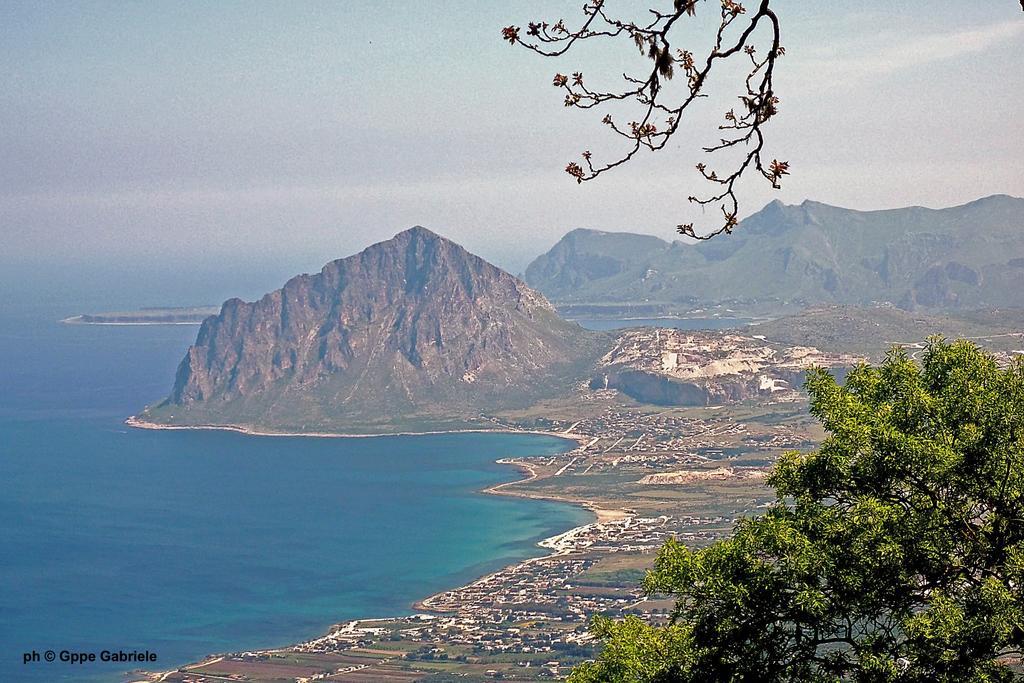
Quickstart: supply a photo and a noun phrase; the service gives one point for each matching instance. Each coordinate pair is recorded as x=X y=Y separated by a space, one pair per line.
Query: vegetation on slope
x=969 y=256
x=894 y=552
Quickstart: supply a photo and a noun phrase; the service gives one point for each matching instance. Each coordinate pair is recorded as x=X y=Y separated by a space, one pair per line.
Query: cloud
x=861 y=61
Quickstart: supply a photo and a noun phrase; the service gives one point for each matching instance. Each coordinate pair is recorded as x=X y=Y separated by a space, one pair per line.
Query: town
x=647 y=473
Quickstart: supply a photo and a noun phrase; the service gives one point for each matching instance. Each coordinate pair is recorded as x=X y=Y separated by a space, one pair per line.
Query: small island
x=182 y=315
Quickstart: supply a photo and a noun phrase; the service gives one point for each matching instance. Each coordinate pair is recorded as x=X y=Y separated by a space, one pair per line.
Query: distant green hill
x=873 y=331
x=968 y=256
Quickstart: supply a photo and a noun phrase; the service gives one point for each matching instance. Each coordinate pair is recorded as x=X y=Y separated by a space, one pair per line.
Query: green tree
x=895 y=552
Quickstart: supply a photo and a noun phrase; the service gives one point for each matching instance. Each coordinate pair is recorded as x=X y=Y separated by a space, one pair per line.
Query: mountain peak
x=791 y=255
x=418 y=231
x=412 y=326
x=416 y=235
x=996 y=200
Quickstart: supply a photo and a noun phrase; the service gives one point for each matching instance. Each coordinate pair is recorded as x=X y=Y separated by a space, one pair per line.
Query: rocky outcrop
x=414 y=327
x=676 y=367
x=663 y=390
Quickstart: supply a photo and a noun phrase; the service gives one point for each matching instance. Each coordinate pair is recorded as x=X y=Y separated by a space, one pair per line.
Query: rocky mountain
x=968 y=256
x=677 y=367
x=413 y=333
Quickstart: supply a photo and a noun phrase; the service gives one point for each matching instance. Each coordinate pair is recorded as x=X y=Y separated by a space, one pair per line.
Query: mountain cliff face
x=414 y=332
x=677 y=367
x=968 y=256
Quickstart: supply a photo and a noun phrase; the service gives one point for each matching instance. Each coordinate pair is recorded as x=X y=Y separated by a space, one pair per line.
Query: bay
x=192 y=542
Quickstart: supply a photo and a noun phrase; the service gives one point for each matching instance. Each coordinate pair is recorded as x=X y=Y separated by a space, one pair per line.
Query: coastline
x=551 y=543
x=72 y=321
x=600 y=514
x=140 y=423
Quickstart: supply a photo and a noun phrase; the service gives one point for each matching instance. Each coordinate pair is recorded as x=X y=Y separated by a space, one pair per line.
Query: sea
x=186 y=543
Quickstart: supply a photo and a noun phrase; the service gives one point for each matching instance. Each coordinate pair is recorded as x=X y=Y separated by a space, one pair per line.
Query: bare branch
x=661 y=113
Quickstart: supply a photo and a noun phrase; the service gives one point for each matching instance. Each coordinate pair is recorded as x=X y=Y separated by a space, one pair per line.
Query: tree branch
x=662 y=114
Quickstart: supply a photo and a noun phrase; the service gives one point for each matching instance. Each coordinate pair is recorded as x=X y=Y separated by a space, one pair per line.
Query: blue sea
x=193 y=542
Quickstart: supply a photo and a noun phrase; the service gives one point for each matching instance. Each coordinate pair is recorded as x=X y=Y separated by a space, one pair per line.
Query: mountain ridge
x=965 y=256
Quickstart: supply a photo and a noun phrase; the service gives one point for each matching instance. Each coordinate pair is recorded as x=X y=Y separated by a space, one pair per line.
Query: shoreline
x=140 y=423
x=67 y=321
x=600 y=514
x=550 y=543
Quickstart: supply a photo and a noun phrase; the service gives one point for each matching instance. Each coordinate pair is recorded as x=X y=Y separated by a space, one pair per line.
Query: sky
x=270 y=138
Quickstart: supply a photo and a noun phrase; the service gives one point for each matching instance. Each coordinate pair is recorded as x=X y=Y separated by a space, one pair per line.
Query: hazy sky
x=292 y=133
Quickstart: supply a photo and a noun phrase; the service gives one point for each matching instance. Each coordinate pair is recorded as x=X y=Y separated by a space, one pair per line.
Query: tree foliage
x=895 y=552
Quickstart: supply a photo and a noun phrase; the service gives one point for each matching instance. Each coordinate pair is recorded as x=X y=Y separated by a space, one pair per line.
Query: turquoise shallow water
x=187 y=542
